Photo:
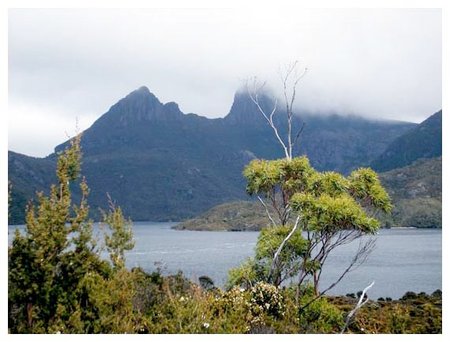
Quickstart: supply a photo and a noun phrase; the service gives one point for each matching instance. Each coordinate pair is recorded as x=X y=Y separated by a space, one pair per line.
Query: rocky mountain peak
x=142 y=90
x=141 y=106
x=245 y=111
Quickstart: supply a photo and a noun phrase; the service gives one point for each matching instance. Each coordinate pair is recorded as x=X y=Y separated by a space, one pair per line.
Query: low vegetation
x=233 y=216
x=412 y=314
x=172 y=304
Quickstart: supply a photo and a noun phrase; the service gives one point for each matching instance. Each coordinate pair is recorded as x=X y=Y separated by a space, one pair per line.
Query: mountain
x=422 y=141
x=161 y=164
x=416 y=191
x=27 y=175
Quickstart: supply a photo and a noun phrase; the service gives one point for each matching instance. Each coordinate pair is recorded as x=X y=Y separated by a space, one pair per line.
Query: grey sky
x=76 y=63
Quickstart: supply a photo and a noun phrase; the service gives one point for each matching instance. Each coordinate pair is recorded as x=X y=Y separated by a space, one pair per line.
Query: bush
x=320 y=316
x=266 y=298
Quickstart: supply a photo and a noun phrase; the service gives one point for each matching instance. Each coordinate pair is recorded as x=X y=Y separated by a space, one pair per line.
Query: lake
x=403 y=260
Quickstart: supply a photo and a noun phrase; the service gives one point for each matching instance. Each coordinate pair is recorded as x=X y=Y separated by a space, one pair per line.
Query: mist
x=71 y=65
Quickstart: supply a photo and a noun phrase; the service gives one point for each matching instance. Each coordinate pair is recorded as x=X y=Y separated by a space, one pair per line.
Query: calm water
x=403 y=259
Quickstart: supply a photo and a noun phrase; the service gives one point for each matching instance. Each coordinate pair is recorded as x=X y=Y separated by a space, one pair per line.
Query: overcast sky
x=76 y=63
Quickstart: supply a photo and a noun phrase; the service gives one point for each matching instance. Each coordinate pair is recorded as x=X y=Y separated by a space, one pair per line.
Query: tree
x=330 y=210
x=53 y=265
x=121 y=238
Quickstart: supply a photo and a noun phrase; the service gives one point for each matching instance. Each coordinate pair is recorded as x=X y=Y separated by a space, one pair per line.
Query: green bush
x=320 y=316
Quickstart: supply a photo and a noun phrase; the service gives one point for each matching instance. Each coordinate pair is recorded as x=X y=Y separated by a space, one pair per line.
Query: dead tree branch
x=358 y=306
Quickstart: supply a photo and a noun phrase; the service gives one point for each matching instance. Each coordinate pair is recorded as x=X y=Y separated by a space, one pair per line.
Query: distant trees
x=57 y=281
x=316 y=212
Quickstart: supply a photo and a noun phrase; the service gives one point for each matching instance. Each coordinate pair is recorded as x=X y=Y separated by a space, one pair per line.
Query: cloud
x=383 y=63
x=35 y=129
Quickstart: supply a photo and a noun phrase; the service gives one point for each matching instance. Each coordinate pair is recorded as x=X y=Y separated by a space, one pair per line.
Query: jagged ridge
x=161 y=164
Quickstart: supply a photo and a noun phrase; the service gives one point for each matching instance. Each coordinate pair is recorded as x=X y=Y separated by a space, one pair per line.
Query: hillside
x=27 y=175
x=416 y=192
x=233 y=216
x=161 y=164
x=422 y=141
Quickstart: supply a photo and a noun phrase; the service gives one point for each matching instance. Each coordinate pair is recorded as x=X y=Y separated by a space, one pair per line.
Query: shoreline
x=252 y=230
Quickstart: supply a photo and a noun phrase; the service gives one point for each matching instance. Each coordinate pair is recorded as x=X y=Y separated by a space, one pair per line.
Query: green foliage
x=263 y=176
x=332 y=214
x=69 y=162
x=288 y=265
x=109 y=303
x=41 y=263
x=261 y=308
x=179 y=306
x=256 y=269
x=121 y=238
x=331 y=183
x=57 y=281
x=246 y=274
x=320 y=316
x=366 y=187
x=206 y=283
x=172 y=304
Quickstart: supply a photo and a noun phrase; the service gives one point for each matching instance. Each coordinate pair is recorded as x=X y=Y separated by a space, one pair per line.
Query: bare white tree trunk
x=358 y=306
x=280 y=248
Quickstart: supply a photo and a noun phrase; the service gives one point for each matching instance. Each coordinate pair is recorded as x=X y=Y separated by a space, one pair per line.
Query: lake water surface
x=403 y=259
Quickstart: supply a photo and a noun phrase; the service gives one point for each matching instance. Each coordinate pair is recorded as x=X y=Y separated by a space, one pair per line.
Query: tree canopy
x=315 y=213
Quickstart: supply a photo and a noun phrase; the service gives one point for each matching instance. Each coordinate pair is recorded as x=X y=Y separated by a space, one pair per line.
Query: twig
x=300 y=131
x=267 y=211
